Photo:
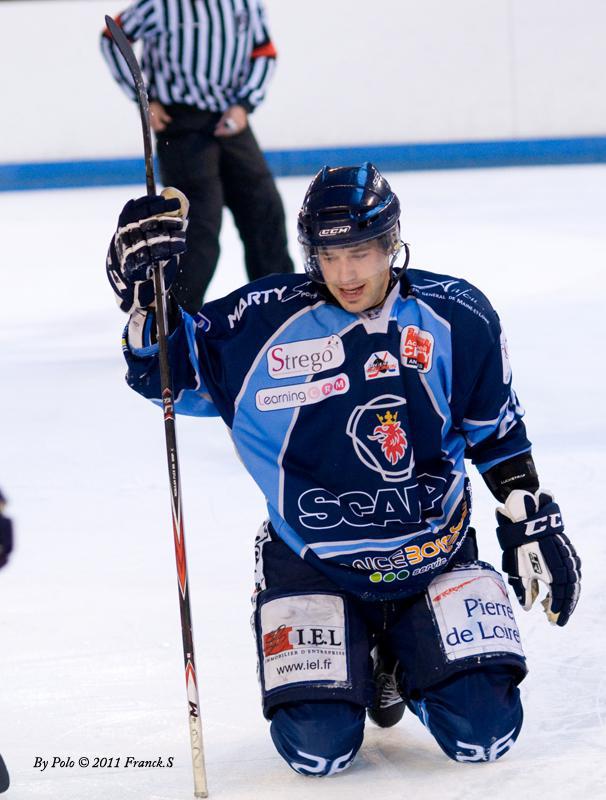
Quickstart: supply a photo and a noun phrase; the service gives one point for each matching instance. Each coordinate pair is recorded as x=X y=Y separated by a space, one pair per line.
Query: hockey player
x=6 y=546
x=6 y=533
x=353 y=397
x=4 y=777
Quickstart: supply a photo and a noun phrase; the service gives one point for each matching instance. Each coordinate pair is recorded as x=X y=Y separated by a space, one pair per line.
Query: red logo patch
x=277 y=641
x=417 y=348
x=453 y=589
x=390 y=436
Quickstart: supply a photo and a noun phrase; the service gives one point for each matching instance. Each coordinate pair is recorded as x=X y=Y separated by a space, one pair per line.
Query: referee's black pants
x=213 y=172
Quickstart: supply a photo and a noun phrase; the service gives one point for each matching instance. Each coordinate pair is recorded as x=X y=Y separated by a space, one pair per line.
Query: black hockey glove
x=535 y=548
x=151 y=230
x=6 y=539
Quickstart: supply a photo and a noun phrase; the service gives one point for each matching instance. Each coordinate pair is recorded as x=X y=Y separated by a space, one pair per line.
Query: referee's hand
x=232 y=122
x=158 y=118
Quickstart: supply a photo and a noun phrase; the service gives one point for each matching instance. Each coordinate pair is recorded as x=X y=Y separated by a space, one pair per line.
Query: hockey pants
x=314 y=645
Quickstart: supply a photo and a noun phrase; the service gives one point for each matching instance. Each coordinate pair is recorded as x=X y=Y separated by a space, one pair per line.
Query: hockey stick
x=195 y=723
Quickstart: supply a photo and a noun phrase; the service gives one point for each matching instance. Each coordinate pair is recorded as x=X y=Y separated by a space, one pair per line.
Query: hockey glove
x=151 y=231
x=535 y=548
x=6 y=539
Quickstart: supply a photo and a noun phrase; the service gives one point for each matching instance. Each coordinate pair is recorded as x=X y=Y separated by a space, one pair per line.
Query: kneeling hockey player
x=353 y=395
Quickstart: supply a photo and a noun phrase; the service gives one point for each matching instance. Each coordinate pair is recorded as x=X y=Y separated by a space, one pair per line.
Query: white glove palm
x=536 y=549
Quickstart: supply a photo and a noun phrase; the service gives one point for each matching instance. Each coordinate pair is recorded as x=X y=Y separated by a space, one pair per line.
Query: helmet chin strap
x=396 y=273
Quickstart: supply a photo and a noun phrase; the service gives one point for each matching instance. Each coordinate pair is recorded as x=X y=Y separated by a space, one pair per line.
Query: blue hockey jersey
x=354 y=426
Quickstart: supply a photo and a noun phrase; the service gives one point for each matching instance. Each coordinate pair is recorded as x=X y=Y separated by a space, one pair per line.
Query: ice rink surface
x=91 y=660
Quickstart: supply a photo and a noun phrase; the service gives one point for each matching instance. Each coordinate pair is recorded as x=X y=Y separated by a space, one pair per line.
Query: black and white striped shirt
x=212 y=54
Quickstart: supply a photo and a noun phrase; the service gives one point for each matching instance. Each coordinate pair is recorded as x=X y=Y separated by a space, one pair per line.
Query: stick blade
x=121 y=41
x=126 y=50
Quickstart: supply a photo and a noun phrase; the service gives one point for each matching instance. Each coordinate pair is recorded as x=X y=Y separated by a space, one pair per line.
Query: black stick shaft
x=195 y=723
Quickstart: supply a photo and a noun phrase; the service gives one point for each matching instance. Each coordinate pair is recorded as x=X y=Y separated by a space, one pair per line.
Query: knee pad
x=475 y=716
x=318 y=738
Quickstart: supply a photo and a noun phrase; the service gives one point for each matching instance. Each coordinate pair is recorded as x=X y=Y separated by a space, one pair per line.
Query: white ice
x=91 y=661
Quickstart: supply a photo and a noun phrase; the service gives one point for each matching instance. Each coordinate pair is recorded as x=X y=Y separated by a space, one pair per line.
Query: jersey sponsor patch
x=301 y=394
x=303 y=639
x=306 y=357
x=321 y=509
x=379 y=438
x=473 y=613
x=304 y=291
x=258 y=298
x=416 y=348
x=381 y=365
x=391 y=437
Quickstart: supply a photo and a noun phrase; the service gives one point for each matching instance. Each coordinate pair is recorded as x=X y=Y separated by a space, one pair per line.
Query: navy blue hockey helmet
x=345 y=206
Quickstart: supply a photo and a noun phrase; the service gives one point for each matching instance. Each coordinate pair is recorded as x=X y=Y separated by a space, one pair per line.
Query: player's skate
x=388 y=705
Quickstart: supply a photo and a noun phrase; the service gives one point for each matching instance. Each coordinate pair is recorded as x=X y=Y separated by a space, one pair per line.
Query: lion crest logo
x=380 y=440
x=390 y=436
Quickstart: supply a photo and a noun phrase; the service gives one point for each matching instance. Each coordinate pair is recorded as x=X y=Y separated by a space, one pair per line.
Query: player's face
x=358 y=276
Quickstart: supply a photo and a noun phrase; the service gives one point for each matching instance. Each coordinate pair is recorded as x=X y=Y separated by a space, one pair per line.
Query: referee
x=207 y=64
